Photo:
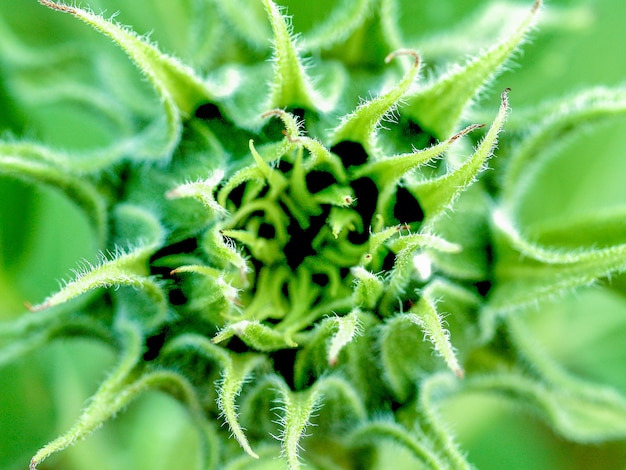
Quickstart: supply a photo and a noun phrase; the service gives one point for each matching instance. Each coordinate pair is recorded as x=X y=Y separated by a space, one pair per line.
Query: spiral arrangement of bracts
x=279 y=251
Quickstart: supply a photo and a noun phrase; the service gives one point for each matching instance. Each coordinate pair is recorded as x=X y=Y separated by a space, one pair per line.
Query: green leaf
x=296 y=410
x=28 y=332
x=468 y=227
x=13 y=162
x=111 y=115
x=378 y=238
x=223 y=252
x=236 y=369
x=181 y=90
x=489 y=20
x=387 y=172
x=339 y=397
x=247 y=20
x=173 y=80
x=555 y=124
x=389 y=21
x=438 y=195
x=433 y=391
x=88 y=162
x=439 y=107
x=124 y=269
x=113 y=395
x=339 y=24
x=593 y=414
x=274 y=178
x=291 y=86
x=425 y=315
x=372 y=432
x=405 y=356
x=247 y=174
x=268 y=454
x=137 y=223
x=578 y=408
x=354 y=362
x=319 y=155
x=362 y=124
x=599 y=229
x=406 y=345
x=405 y=245
x=312 y=358
x=304 y=297
x=541 y=273
x=16 y=51
x=18 y=347
x=593 y=321
x=217 y=295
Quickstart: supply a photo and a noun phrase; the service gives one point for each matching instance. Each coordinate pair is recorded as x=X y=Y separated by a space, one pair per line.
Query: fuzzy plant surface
x=312 y=238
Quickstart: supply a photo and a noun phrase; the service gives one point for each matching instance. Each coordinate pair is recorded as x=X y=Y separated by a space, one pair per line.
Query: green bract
x=303 y=250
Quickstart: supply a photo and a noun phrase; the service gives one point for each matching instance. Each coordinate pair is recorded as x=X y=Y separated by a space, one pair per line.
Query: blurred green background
x=582 y=43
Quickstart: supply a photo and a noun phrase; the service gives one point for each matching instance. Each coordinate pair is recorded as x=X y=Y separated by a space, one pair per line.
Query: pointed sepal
x=296 y=410
x=439 y=107
x=291 y=86
x=236 y=368
x=203 y=191
x=387 y=172
x=425 y=315
x=256 y=335
x=438 y=195
x=361 y=125
x=348 y=327
x=122 y=269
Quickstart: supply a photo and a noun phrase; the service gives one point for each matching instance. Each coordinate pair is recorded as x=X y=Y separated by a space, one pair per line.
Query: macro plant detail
x=301 y=242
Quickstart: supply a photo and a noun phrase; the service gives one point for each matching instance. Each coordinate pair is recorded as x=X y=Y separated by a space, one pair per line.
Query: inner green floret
x=305 y=219
x=305 y=232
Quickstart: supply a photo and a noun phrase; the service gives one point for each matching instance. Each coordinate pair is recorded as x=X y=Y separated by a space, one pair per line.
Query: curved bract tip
x=58 y=6
x=410 y=52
